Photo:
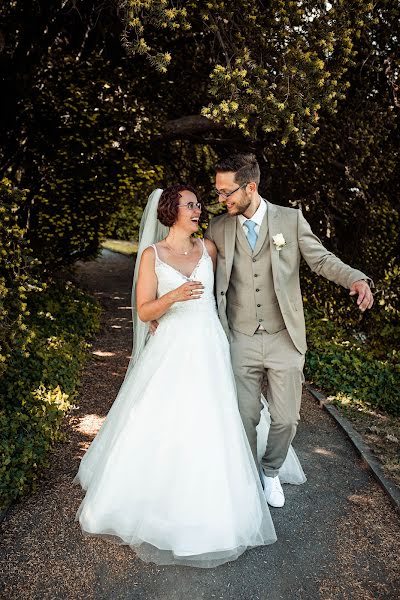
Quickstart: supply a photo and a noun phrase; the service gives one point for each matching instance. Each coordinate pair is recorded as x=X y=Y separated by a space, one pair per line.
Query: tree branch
x=189 y=126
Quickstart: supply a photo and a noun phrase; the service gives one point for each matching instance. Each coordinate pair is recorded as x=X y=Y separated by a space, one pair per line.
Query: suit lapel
x=274 y=227
x=242 y=238
x=230 y=237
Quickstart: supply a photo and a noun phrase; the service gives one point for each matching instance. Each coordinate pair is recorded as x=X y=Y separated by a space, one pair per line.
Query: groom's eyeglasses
x=227 y=194
x=191 y=205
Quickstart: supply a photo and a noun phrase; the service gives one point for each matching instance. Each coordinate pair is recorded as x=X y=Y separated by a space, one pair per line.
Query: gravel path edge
x=365 y=452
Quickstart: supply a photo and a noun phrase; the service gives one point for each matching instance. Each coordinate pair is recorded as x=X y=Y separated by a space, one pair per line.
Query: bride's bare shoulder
x=148 y=256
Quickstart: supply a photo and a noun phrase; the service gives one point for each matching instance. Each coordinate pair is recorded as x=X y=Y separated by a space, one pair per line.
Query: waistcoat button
x=258 y=305
x=257 y=290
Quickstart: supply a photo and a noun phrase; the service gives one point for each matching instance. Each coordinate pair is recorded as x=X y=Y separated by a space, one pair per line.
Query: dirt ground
x=338 y=535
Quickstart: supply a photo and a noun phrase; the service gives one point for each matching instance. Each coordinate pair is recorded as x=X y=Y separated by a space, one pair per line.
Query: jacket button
x=258 y=305
x=257 y=290
x=222 y=293
x=254 y=259
x=255 y=275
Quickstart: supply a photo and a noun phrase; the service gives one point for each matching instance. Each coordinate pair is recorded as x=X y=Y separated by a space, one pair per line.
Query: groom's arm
x=325 y=263
x=208 y=232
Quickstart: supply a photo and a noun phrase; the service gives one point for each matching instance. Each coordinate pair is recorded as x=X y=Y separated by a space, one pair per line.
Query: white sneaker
x=273 y=491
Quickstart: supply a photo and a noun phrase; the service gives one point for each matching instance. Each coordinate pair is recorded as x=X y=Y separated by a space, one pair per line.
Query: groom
x=260 y=303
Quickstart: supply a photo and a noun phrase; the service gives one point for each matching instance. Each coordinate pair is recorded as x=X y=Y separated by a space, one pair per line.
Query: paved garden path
x=338 y=536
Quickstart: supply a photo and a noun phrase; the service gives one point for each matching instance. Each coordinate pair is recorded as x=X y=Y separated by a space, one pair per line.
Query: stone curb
x=391 y=489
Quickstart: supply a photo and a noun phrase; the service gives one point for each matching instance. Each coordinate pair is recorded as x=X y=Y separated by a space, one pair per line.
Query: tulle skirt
x=171 y=472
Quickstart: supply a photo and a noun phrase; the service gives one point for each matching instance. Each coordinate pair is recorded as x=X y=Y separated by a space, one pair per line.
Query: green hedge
x=43 y=328
x=350 y=367
x=38 y=386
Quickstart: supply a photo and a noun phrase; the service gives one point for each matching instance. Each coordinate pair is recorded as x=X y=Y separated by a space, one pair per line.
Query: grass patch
x=120 y=246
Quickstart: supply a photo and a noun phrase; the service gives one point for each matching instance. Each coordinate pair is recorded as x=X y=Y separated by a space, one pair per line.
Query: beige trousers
x=275 y=355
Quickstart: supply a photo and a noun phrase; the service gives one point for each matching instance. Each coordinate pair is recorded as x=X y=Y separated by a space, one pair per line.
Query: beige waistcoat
x=251 y=298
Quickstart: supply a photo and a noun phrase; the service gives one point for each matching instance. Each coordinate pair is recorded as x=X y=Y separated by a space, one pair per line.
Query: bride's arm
x=151 y=308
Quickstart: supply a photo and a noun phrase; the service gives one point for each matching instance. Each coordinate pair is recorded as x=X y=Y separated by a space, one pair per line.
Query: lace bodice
x=170 y=278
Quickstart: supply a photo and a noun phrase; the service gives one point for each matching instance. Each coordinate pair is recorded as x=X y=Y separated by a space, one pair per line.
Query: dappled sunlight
x=323 y=452
x=360 y=499
x=102 y=353
x=89 y=425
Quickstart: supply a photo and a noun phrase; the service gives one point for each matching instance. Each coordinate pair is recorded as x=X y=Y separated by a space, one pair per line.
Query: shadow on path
x=338 y=536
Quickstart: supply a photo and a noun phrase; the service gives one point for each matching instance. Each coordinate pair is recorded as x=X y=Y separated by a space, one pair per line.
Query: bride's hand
x=187 y=291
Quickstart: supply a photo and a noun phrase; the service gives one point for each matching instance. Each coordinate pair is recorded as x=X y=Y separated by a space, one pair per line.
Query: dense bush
x=43 y=327
x=349 y=364
x=354 y=354
x=17 y=276
x=380 y=326
x=38 y=385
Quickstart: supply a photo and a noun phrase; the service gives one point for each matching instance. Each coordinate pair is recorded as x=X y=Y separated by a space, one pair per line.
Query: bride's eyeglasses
x=191 y=205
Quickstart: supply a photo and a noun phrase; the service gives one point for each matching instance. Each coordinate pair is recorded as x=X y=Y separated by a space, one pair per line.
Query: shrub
x=38 y=386
x=346 y=364
x=43 y=327
x=17 y=276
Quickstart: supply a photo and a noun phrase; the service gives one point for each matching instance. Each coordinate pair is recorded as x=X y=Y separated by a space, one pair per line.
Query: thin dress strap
x=156 y=253
x=205 y=251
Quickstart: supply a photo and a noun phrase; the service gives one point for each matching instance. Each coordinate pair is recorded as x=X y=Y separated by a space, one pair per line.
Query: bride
x=170 y=472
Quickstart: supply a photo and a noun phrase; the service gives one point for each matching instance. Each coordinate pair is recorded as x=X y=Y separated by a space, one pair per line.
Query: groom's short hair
x=245 y=167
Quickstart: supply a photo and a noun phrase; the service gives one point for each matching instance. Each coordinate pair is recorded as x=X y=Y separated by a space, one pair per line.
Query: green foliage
x=73 y=126
x=91 y=177
x=270 y=69
x=43 y=327
x=18 y=276
x=38 y=385
x=379 y=326
x=354 y=355
x=345 y=365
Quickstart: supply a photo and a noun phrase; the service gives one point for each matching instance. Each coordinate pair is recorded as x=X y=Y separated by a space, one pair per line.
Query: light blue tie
x=251 y=235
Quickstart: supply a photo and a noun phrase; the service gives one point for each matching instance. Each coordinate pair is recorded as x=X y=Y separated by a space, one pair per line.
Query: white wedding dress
x=170 y=472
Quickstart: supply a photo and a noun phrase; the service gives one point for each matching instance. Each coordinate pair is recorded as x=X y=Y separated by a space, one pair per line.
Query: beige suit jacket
x=300 y=241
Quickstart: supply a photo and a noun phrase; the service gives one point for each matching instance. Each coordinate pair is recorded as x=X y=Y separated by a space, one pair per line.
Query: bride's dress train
x=171 y=473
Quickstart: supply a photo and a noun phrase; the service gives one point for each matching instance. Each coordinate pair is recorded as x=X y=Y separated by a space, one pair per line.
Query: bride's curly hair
x=167 y=211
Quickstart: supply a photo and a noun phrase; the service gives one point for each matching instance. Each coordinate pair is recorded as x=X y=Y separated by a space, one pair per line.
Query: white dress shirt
x=257 y=217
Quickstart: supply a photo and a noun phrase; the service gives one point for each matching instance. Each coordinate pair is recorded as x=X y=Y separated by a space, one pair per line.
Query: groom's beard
x=238 y=207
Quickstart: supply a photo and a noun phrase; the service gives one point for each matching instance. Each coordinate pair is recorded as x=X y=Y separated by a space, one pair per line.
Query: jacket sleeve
x=208 y=234
x=323 y=262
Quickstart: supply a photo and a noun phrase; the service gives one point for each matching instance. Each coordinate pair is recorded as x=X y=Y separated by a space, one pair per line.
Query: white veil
x=151 y=231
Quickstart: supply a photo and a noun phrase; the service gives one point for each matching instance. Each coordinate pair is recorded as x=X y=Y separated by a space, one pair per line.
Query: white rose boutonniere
x=279 y=241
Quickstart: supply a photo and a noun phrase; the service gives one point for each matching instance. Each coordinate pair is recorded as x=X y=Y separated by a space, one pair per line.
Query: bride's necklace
x=180 y=253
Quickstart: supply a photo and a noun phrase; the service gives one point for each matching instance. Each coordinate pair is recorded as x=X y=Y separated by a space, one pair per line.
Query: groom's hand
x=153 y=327
x=365 y=298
